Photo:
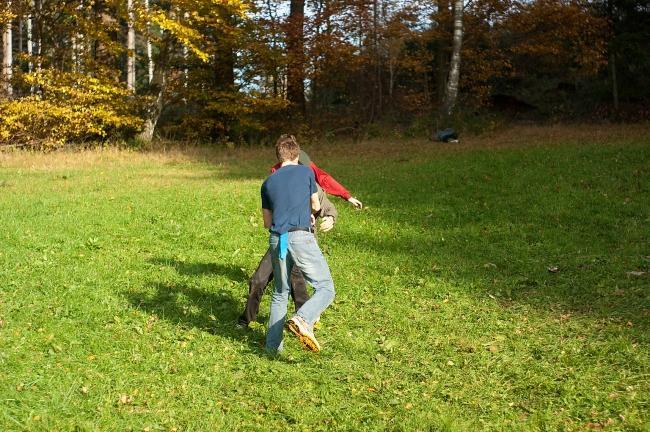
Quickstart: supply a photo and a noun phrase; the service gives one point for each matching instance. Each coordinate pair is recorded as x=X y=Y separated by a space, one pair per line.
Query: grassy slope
x=122 y=274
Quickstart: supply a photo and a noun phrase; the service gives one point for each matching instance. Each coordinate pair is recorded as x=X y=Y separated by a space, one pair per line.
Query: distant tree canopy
x=85 y=70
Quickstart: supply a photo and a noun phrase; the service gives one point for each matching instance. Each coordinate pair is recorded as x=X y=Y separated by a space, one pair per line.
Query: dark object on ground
x=447 y=135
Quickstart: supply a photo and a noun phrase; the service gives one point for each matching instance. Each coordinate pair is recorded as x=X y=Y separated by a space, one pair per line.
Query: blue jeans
x=304 y=253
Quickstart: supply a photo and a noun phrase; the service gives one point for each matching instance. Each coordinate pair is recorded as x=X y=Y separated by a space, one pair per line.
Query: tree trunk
x=149 y=50
x=224 y=67
x=154 y=112
x=7 y=62
x=78 y=44
x=296 y=55
x=30 y=37
x=39 y=42
x=451 y=91
x=30 y=42
x=130 y=66
x=377 y=101
x=159 y=83
x=186 y=54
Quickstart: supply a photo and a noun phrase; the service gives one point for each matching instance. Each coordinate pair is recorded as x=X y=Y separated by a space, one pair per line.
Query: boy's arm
x=315 y=203
x=267 y=215
x=328 y=214
x=328 y=183
x=327 y=208
x=331 y=186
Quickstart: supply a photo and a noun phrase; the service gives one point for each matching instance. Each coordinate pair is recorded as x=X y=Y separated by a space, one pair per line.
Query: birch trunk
x=159 y=84
x=149 y=54
x=78 y=43
x=154 y=113
x=30 y=37
x=7 y=61
x=186 y=52
x=39 y=43
x=130 y=65
x=451 y=91
x=30 y=42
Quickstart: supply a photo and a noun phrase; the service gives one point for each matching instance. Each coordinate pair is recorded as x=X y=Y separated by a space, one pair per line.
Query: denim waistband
x=301 y=229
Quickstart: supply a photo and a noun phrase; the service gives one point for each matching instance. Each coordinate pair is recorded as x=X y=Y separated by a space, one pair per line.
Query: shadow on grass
x=196 y=308
x=591 y=285
x=498 y=221
x=232 y=272
x=193 y=306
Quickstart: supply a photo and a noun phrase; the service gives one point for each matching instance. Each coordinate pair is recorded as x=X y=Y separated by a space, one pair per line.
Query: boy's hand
x=355 y=202
x=327 y=223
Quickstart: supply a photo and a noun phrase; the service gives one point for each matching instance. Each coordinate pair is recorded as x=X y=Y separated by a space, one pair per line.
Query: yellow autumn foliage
x=68 y=108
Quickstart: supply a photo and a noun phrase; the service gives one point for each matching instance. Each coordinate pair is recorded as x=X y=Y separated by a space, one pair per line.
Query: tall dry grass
x=171 y=152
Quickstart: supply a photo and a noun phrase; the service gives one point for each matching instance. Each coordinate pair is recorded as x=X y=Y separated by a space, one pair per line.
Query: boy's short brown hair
x=287 y=148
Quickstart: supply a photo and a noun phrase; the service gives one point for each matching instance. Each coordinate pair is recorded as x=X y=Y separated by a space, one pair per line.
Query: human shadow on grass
x=192 y=307
x=232 y=272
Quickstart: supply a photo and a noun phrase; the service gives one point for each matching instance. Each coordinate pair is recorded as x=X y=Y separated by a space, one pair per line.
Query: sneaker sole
x=305 y=341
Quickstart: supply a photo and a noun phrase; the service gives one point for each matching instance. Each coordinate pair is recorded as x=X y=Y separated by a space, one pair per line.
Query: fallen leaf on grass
x=553 y=269
x=635 y=273
x=125 y=399
x=490 y=265
x=598 y=426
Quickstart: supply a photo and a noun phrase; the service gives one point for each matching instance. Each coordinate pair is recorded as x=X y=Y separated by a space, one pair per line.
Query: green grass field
x=122 y=275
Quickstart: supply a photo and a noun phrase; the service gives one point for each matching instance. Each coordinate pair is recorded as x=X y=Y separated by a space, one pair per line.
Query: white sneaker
x=299 y=327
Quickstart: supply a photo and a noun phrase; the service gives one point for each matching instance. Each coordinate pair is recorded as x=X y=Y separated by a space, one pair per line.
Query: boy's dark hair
x=287 y=148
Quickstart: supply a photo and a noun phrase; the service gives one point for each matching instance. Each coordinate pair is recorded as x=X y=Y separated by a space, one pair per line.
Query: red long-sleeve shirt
x=325 y=181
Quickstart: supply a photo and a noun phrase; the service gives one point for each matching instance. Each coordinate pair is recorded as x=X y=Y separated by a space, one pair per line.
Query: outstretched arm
x=331 y=186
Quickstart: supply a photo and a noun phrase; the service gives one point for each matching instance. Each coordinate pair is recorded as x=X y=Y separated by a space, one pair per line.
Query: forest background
x=236 y=72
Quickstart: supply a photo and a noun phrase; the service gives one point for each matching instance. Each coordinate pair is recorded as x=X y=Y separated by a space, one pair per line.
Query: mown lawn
x=122 y=275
